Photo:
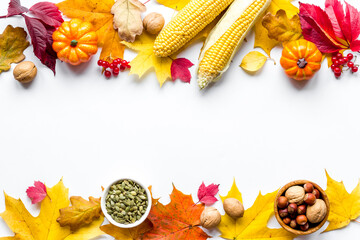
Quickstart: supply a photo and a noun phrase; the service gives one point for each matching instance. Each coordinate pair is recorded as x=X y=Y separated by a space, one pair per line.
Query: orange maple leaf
x=180 y=219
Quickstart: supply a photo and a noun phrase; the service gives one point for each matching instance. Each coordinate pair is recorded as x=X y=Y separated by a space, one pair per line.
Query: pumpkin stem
x=73 y=43
x=302 y=63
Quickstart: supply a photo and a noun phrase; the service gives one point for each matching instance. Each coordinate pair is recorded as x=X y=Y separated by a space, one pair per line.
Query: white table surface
x=260 y=129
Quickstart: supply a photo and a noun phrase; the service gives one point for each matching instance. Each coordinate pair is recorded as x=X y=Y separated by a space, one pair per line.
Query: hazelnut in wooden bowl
x=301 y=207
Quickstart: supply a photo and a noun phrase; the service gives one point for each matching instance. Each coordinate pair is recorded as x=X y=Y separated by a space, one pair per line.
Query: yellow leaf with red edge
x=134 y=233
x=80 y=213
x=146 y=59
x=44 y=226
x=180 y=219
x=97 y=12
x=262 y=39
x=174 y=4
x=253 y=225
x=12 y=44
x=344 y=206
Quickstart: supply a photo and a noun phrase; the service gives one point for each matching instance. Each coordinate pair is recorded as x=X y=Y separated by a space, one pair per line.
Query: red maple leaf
x=207 y=194
x=180 y=219
x=332 y=29
x=180 y=69
x=37 y=193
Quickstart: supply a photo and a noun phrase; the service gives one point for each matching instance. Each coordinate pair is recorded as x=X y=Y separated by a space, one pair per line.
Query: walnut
x=25 y=72
x=233 y=207
x=153 y=23
x=317 y=212
x=210 y=217
x=295 y=194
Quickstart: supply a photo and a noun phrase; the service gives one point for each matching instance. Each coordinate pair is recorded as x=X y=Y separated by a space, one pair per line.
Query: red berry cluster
x=339 y=61
x=117 y=66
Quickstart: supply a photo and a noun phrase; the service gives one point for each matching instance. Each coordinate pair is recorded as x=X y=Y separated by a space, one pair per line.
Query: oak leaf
x=262 y=39
x=44 y=226
x=344 y=206
x=281 y=28
x=180 y=219
x=253 y=61
x=37 y=193
x=253 y=225
x=134 y=233
x=12 y=44
x=127 y=18
x=81 y=212
x=97 y=12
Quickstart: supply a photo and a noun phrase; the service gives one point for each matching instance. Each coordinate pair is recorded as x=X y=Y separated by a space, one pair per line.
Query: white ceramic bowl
x=130 y=225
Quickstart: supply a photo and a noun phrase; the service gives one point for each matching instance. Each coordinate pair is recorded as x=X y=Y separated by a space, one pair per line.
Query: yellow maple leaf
x=127 y=233
x=262 y=39
x=98 y=12
x=253 y=225
x=174 y=4
x=344 y=206
x=44 y=226
x=253 y=61
x=146 y=59
x=112 y=48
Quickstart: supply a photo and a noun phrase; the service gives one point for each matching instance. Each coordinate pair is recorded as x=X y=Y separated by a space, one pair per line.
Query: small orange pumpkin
x=301 y=59
x=75 y=41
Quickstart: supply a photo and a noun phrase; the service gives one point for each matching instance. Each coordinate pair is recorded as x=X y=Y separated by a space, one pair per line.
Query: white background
x=263 y=130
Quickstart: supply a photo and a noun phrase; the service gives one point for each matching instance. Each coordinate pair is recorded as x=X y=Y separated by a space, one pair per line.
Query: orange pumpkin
x=75 y=41
x=301 y=59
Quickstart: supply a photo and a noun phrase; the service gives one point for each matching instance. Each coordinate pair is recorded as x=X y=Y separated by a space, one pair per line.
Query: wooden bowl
x=313 y=228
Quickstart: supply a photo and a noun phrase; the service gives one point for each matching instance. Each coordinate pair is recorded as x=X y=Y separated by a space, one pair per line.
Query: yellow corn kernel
x=190 y=20
x=217 y=57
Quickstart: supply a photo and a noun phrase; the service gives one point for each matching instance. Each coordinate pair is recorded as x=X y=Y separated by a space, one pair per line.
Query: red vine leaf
x=41 y=39
x=37 y=193
x=207 y=194
x=331 y=29
x=48 y=13
x=180 y=69
x=15 y=8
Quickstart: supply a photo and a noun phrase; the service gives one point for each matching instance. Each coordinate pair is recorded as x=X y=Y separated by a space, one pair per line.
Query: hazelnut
x=310 y=199
x=301 y=220
x=283 y=212
x=295 y=194
x=317 y=212
x=287 y=221
x=233 y=207
x=210 y=217
x=293 y=224
x=153 y=23
x=308 y=187
x=305 y=227
x=301 y=209
x=292 y=208
x=316 y=193
x=25 y=72
x=282 y=202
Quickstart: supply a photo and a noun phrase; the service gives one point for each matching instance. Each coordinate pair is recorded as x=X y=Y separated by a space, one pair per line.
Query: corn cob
x=227 y=36
x=189 y=21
